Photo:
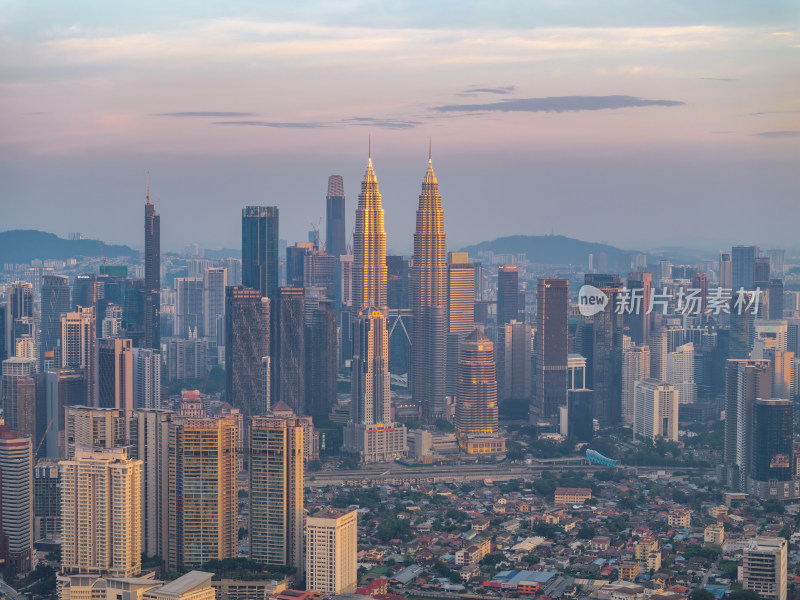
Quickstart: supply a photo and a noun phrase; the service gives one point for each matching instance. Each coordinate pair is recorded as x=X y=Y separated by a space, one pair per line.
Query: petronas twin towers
x=370 y=376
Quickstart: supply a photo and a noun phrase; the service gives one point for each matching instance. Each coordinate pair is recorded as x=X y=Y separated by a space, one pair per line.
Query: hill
x=25 y=245
x=552 y=249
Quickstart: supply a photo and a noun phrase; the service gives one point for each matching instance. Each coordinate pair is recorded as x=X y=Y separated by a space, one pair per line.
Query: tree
x=701 y=594
x=774 y=506
x=587 y=532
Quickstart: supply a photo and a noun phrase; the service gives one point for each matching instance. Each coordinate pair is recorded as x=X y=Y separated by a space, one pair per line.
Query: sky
x=639 y=124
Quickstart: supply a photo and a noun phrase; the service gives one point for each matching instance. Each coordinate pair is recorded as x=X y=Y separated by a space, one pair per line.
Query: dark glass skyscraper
x=288 y=382
x=247 y=342
x=607 y=352
x=507 y=294
x=321 y=360
x=551 y=341
x=335 y=241
x=55 y=301
x=152 y=275
x=743 y=260
x=638 y=321
x=260 y=249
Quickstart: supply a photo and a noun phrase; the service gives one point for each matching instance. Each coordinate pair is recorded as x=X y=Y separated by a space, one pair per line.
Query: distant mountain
x=554 y=250
x=223 y=253
x=25 y=245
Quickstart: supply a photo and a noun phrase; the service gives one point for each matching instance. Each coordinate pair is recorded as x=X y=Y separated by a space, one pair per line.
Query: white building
x=656 y=410
x=635 y=368
x=331 y=550
x=680 y=373
x=146 y=378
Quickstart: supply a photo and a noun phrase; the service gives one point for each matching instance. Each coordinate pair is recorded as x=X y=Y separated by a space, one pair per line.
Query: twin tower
x=371 y=432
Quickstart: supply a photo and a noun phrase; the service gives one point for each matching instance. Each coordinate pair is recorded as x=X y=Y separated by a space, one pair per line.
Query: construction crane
x=316 y=234
x=103 y=254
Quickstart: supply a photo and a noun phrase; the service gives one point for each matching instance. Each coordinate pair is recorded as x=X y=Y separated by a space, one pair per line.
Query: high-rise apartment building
x=150 y=436
x=188 y=307
x=508 y=294
x=63 y=388
x=215 y=279
x=101 y=513
x=331 y=551
x=680 y=372
x=19 y=314
x=276 y=491
x=55 y=302
x=146 y=378
x=428 y=282
x=96 y=427
x=513 y=352
x=655 y=410
x=152 y=275
x=19 y=394
x=725 y=271
x=202 y=494
x=460 y=311
x=476 y=399
x=552 y=305
x=247 y=342
x=288 y=360
x=16 y=499
x=764 y=562
x=635 y=368
x=335 y=238
x=260 y=249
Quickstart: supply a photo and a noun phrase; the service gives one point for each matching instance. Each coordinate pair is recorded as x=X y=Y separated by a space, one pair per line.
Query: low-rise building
x=679 y=517
x=572 y=495
x=714 y=534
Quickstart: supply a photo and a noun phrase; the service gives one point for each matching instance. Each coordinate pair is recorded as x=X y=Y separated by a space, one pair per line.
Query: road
x=11 y=592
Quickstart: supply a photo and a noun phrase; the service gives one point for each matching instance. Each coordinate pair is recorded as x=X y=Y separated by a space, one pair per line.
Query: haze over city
x=577 y=118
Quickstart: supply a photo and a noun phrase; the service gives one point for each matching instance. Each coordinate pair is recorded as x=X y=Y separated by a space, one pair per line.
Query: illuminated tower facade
x=429 y=280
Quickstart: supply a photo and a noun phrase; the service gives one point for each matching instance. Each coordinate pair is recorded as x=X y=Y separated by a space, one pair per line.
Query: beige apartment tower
x=202 y=491
x=276 y=491
x=16 y=507
x=95 y=427
x=331 y=548
x=101 y=513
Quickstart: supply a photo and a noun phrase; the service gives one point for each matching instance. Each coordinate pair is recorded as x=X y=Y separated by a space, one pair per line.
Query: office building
x=152 y=275
x=146 y=378
x=764 y=562
x=19 y=319
x=335 y=237
x=743 y=260
x=552 y=304
x=429 y=279
x=101 y=513
x=508 y=296
x=513 y=352
x=55 y=302
x=725 y=271
x=189 y=307
x=16 y=500
x=63 y=388
x=331 y=551
x=606 y=356
x=276 y=491
x=635 y=368
x=580 y=424
x=295 y=263
x=215 y=279
x=746 y=380
x=775 y=298
x=655 y=410
x=260 y=250
x=202 y=493
x=150 y=437
x=321 y=363
x=638 y=320
x=460 y=311
x=370 y=434
x=476 y=399
x=772 y=461
x=320 y=271
x=288 y=360
x=247 y=342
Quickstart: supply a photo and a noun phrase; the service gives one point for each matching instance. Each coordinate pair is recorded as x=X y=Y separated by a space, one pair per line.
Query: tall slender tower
x=260 y=259
x=429 y=277
x=152 y=274
x=334 y=217
x=370 y=435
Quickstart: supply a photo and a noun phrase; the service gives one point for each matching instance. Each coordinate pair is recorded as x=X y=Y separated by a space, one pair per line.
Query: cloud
x=719 y=78
x=559 y=104
x=277 y=125
x=772 y=112
x=206 y=114
x=790 y=133
x=509 y=89
x=381 y=123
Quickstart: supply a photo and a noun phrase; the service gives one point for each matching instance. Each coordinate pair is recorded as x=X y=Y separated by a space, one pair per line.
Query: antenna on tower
x=369 y=147
x=430 y=145
x=148 y=187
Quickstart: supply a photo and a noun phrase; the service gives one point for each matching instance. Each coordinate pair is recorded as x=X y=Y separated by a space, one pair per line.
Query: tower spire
x=430 y=145
x=148 y=187
x=369 y=148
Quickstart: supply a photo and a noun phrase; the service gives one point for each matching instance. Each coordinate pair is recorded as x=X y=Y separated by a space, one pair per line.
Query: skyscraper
x=513 y=353
x=295 y=263
x=428 y=280
x=460 y=311
x=146 y=378
x=764 y=567
x=607 y=352
x=276 y=491
x=19 y=394
x=16 y=499
x=152 y=275
x=188 y=307
x=746 y=380
x=260 y=249
x=335 y=240
x=331 y=543
x=321 y=345
x=552 y=333
x=96 y=427
x=55 y=302
x=743 y=260
x=507 y=294
x=638 y=321
x=247 y=342
x=772 y=460
x=202 y=494
x=371 y=435
x=476 y=399
x=19 y=315
x=635 y=368
x=680 y=372
x=63 y=388
x=115 y=375
x=725 y=271
x=101 y=513
x=288 y=361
